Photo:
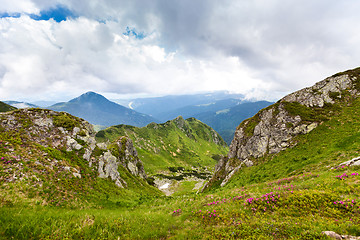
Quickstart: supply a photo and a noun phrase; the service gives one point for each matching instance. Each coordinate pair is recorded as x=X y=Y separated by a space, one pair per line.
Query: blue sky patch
x=133 y=32
x=60 y=13
x=12 y=15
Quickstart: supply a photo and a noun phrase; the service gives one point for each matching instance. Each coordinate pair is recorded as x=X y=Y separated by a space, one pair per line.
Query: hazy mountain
x=20 y=104
x=44 y=104
x=158 y=105
x=194 y=110
x=98 y=110
x=226 y=120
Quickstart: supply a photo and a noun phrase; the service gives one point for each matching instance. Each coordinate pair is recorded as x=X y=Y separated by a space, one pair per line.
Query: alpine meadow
x=292 y=172
x=161 y=119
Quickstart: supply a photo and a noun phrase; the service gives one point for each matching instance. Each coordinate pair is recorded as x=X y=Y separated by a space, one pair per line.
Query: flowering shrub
x=208 y=216
x=350 y=205
x=345 y=175
x=177 y=212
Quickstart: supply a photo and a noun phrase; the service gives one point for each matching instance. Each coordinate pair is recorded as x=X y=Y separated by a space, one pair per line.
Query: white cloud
x=18 y=6
x=261 y=48
x=74 y=56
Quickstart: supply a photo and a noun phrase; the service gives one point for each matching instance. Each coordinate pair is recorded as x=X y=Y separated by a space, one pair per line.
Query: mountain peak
x=89 y=96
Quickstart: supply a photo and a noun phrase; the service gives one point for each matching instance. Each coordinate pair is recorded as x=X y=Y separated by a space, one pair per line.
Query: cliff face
x=50 y=137
x=273 y=129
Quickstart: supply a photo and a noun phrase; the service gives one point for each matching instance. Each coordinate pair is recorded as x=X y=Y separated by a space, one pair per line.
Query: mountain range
x=218 y=110
x=18 y=104
x=159 y=106
x=221 y=110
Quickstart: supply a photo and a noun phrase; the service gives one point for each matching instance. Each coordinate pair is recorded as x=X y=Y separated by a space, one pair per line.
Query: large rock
x=121 y=152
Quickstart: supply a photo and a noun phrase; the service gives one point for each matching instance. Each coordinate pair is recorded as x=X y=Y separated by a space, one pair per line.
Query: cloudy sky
x=59 y=49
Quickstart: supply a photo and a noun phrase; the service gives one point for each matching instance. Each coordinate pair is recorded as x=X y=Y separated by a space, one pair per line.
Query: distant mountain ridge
x=156 y=106
x=223 y=111
x=196 y=109
x=98 y=110
x=226 y=120
x=21 y=104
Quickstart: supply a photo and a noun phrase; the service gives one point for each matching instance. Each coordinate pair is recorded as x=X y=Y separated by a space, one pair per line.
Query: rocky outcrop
x=123 y=153
x=273 y=129
x=334 y=235
x=61 y=131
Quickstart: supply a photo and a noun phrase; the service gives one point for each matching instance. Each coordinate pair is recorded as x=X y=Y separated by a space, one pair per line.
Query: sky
x=58 y=49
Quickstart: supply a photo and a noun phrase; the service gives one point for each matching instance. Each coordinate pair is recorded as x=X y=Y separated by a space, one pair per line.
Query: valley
x=174 y=151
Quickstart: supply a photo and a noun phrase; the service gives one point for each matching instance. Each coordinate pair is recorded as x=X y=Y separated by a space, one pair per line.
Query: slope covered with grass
x=6 y=107
x=177 y=143
x=296 y=193
x=39 y=168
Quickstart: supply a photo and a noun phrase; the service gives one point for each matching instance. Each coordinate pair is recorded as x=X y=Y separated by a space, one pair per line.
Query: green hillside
x=5 y=107
x=176 y=143
x=38 y=166
x=297 y=193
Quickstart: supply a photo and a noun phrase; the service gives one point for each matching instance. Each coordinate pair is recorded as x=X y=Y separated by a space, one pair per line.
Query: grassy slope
x=46 y=183
x=5 y=107
x=294 y=194
x=161 y=146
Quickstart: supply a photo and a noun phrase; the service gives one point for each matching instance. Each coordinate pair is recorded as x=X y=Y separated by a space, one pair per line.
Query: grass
x=295 y=194
x=297 y=207
x=5 y=107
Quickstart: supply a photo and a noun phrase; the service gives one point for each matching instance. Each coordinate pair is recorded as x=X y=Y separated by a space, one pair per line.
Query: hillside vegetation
x=298 y=192
x=5 y=107
x=51 y=159
x=176 y=143
x=176 y=150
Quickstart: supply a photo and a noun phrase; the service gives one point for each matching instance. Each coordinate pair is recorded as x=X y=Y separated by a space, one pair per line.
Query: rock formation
x=273 y=129
x=61 y=131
